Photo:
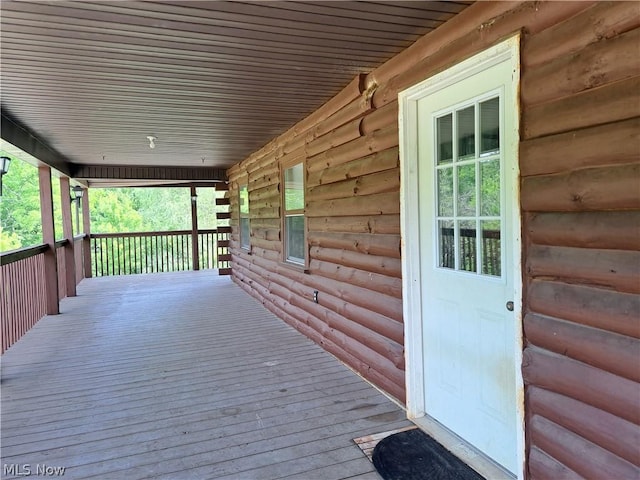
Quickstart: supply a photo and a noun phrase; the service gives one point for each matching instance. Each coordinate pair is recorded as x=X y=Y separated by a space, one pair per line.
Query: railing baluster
x=203 y=254
x=175 y=252
x=150 y=252
x=156 y=254
x=119 y=245
x=164 y=257
x=127 y=248
x=146 y=255
x=133 y=260
x=112 y=257
x=102 y=250
x=167 y=240
x=184 y=253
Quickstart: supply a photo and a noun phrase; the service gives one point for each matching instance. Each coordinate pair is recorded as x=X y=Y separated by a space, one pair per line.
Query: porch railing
x=150 y=252
x=23 y=292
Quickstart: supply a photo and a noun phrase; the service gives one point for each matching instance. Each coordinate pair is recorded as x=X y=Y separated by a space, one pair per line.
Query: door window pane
x=466 y=133
x=294 y=187
x=490 y=188
x=467 y=190
x=491 y=252
x=294 y=226
x=444 y=128
x=445 y=192
x=446 y=244
x=490 y=127
x=467 y=242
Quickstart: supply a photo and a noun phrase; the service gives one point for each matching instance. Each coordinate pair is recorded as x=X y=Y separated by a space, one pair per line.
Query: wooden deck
x=181 y=376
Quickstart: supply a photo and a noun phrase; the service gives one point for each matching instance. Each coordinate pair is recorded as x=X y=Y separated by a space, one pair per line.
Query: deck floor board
x=181 y=376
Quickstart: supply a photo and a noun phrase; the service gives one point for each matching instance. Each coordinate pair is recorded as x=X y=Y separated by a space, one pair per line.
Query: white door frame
x=508 y=50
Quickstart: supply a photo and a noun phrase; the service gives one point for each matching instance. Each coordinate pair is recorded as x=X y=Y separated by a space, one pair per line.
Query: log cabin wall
x=581 y=224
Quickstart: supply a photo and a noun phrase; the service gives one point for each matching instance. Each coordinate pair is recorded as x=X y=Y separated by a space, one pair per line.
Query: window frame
x=477 y=160
x=285 y=258
x=244 y=216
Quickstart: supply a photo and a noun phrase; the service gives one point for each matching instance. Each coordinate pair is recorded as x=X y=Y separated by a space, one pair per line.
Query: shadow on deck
x=181 y=376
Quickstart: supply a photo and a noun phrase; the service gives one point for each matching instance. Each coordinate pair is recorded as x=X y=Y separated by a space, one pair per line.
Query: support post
x=86 y=242
x=49 y=238
x=194 y=229
x=67 y=231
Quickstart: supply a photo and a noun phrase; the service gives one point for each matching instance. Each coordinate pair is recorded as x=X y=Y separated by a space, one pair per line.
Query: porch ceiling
x=213 y=81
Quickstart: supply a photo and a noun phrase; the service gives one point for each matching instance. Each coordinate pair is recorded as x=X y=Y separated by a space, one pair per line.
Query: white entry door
x=466 y=194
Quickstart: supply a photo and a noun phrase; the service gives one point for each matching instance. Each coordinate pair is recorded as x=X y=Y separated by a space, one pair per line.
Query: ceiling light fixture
x=152 y=141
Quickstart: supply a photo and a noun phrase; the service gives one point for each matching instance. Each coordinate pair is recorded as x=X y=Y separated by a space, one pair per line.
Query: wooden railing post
x=86 y=243
x=67 y=231
x=49 y=238
x=194 y=229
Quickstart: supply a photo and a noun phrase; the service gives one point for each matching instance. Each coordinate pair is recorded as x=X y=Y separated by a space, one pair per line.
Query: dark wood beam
x=48 y=238
x=194 y=229
x=140 y=172
x=67 y=231
x=19 y=135
x=86 y=228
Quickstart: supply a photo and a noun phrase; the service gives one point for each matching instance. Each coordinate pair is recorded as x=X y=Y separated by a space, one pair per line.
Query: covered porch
x=181 y=375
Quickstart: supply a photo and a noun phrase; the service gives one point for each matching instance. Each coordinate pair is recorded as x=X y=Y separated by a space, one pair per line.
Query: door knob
x=510 y=306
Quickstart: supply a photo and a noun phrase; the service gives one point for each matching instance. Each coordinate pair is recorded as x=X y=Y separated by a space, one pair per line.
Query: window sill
x=295 y=266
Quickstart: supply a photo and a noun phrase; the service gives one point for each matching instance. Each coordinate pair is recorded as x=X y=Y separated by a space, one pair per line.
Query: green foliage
x=8 y=241
x=20 y=206
x=149 y=209
x=112 y=210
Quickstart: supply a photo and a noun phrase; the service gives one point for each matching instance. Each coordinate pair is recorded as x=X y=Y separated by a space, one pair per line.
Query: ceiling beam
x=20 y=136
x=139 y=172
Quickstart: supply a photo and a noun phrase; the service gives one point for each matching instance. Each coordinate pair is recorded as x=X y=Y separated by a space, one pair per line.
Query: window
x=468 y=188
x=294 y=229
x=245 y=229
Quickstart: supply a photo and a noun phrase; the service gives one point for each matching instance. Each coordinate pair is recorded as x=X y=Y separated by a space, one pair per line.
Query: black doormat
x=414 y=455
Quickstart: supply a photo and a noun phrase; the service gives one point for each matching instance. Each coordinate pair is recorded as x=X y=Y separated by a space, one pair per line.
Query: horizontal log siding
x=581 y=223
x=352 y=206
x=580 y=171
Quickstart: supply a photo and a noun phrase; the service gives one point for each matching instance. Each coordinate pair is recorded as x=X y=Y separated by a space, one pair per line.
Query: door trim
x=508 y=50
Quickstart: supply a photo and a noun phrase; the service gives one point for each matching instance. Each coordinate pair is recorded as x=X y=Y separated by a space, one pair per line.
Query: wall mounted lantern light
x=4 y=168
x=76 y=195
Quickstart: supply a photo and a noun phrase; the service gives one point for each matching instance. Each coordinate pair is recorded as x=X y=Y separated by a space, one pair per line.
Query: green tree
x=8 y=241
x=150 y=209
x=114 y=211
x=20 y=205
